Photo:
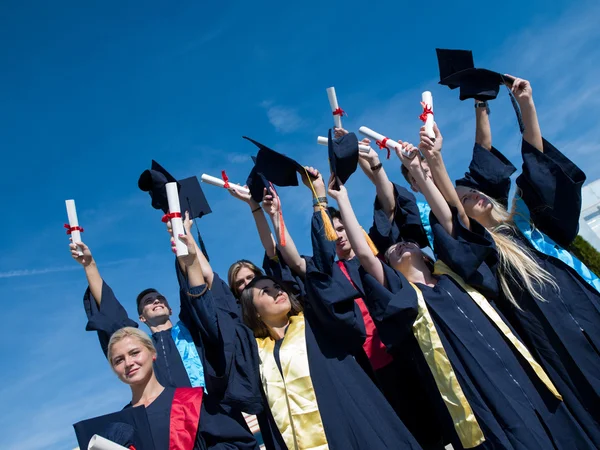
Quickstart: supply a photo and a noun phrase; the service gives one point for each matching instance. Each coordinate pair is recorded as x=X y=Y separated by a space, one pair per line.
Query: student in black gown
x=317 y=395
x=552 y=307
x=204 y=349
x=492 y=397
x=177 y=417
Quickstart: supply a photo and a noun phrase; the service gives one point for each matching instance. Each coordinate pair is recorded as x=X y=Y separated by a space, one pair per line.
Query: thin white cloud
x=46 y=270
x=284 y=119
x=238 y=158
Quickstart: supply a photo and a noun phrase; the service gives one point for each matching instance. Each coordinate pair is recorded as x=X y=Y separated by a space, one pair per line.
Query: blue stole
x=544 y=244
x=189 y=354
x=424 y=210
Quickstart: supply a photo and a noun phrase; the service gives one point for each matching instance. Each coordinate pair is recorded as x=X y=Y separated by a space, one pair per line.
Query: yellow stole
x=292 y=397
x=492 y=314
x=465 y=423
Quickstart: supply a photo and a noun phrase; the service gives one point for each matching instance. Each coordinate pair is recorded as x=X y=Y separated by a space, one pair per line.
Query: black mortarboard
x=191 y=196
x=256 y=183
x=128 y=427
x=343 y=155
x=279 y=169
x=458 y=70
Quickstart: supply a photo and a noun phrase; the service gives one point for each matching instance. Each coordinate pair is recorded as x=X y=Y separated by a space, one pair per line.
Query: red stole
x=185 y=417
x=373 y=347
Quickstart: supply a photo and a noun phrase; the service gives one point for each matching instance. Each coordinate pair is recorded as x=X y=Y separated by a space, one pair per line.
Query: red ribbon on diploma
x=426 y=111
x=70 y=229
x=225 y=179
x=339 y=112
x=381 y=145
x=170 y=216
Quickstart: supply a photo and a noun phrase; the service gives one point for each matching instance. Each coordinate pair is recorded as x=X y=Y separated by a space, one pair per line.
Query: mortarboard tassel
x=330 y=233
x=281 y=221
x=201 y=242
x=370 y=242
x=517 y=109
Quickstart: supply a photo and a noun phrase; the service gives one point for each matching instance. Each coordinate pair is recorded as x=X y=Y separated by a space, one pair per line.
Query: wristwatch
x=483 y=105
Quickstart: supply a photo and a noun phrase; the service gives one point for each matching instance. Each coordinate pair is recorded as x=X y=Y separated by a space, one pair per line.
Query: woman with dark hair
x=317 y=394
x=482 y=378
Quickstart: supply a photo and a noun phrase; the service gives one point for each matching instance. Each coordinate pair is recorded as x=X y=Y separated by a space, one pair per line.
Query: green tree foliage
x=587 y=254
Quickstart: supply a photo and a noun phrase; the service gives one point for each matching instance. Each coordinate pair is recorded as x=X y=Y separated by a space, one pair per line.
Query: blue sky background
x=92 y=91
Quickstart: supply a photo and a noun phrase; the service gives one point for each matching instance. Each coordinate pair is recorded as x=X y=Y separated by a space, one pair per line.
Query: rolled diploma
x=100 y=443
x=176 y=222
x=73 y=222
x=220 y=183
x=427 y=98
x=321 y=140
x=337 y=120
x=390 y=143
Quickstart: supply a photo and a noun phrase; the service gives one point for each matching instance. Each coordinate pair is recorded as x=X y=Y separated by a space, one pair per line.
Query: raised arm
x=521 y=89
x=355 y=233
x=432 y=150
x=203 y=264
x=483 y=130
x=262 y=226
x=427 y=186
x=92 y=274
x=289 y=252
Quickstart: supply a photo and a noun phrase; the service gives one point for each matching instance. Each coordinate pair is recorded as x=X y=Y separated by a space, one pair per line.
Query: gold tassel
x=330 y=233
x=370 y=242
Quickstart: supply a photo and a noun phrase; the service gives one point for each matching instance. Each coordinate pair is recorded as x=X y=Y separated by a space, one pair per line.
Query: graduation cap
x=279 y=169
x=129 y=427
x=457 y=70
x=191 y=196
x=343 y=155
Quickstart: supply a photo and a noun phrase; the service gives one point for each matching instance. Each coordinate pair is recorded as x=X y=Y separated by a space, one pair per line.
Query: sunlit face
x=270 y=300
x=476 y=204
x=155 y=310
x=131 y=361
x=413 y=183
x=243 y=277
x=401 y=255
x=342 y=244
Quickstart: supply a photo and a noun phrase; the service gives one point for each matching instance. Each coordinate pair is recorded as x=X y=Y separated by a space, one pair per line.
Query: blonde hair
x=235 y=269
x=126 y=332
x=516 y=263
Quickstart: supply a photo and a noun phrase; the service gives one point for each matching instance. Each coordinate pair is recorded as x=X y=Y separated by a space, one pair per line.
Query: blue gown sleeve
x=107 y=318
x=471 y=253
x=551 y=188
x=323 y=250
x=393 y=308
x=277 y=268
x=489 y=172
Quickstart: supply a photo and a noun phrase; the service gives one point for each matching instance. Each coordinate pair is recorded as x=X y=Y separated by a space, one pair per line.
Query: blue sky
x=92 y=91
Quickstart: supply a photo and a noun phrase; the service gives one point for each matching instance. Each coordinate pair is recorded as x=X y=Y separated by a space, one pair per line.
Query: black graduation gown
x=563 y=332
x=225 y=361
x=406 y=223
x=354 y=412
x=398 y=381
x=277 y=268
x=513 y=410
x=209 y=433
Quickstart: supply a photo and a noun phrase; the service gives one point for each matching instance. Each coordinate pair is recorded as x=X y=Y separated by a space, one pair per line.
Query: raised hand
x=339 y=132
x=317 y=181
x=271 y=203
x=336 y=189
x=372 y=157
x=245 y=197
x=86 y=259
x=407 y=155
x=428 y=147
x=521 y=89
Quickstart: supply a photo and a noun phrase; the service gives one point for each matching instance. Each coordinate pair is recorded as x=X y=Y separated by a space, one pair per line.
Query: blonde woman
x=177 y=417
x=554 y=310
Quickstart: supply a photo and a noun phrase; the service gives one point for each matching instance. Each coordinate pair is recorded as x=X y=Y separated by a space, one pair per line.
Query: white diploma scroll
x=220 y=183
x=427 y=101
x=73 y=222
x=389 y=143
x=100 y=443
x=176 y=222
x=321 y=140
x=337 y=118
